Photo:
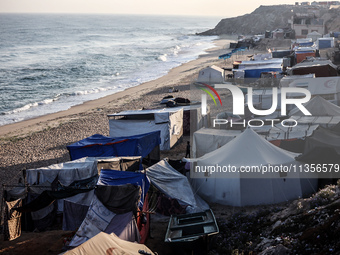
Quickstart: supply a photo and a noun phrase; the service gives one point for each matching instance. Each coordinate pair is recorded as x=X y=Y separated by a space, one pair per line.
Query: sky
x=221 y=8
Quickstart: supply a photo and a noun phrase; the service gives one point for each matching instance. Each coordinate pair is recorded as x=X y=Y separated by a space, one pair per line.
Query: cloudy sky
x=223 y=8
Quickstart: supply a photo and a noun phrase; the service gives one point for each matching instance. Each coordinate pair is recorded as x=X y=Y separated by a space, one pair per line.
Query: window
x=304 y=32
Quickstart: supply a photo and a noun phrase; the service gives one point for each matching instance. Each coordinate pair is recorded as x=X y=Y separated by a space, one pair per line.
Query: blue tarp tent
x=114 y=178
x=103 y=146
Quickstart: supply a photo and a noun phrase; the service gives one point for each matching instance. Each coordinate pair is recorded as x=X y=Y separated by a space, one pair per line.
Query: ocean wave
x=30 y=106
x=163 y=57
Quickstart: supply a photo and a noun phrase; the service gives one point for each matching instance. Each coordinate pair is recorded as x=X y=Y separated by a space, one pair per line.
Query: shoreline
x=42 y=141
x=172 y=78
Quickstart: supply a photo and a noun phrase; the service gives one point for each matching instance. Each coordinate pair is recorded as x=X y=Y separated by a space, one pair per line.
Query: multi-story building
x=305 y=23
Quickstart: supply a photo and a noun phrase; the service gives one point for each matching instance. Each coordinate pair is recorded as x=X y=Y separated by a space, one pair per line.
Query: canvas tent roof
x=321 y=68
x=318 y=106
x=282 y=133
x=104 y=243
x=206 y=140
x=236 y=188
x=102 y=146
x=175 y=185
x=325 y=121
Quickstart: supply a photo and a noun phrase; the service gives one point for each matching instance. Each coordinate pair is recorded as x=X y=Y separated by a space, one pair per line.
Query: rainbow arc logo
x=205 y=87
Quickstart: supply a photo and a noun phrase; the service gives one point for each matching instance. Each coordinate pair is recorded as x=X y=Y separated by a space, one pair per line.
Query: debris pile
x=306 y=226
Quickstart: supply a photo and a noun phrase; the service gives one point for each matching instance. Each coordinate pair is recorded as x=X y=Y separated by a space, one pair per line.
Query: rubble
x=304 y=226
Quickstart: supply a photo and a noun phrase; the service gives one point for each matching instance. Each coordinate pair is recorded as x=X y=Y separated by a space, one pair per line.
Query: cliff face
x=262 y=19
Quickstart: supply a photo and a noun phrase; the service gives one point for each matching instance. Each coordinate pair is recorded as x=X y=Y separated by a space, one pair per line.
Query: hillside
x=269 y=18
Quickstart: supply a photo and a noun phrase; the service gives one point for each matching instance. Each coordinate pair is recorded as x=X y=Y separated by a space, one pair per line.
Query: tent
x=323 y=147
x=66 y=173
x=327 y=87
x=240 y=188
x=66 y=188
x=314 y=36
x=207 y=140
x=321 y=68
x=290 y=138
x=324 y=43
x=211 y=74
x=130 y=123
x=103 y=243
x=112 y=210
x=287 y=80
x=302 y=53
x=175 y=185
x=103 y=146
x=318 y=106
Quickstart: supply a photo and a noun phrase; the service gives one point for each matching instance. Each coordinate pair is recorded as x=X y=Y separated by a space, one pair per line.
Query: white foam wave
x=163 y=57
x=30 y=106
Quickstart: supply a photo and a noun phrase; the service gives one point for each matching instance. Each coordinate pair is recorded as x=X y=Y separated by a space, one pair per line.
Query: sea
x=51 y=62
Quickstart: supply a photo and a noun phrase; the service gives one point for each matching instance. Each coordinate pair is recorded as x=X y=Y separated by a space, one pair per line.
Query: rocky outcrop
x=264 y=18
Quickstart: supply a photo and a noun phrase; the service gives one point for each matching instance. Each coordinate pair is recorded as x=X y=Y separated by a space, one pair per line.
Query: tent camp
x=103 y=146
x=207 y=140
x=130 y=123
x=65 y=189
x=103 y=243
x=240 y=188
x=175 y=185
x=211 y=74
x=318 y=106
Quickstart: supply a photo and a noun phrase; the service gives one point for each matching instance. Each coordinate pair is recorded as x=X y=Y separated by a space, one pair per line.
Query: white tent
x=287 y=80
x=327 y=87
x=207 y=140
x=249 y=151
x=314 y=36
x=318 y=106
x=175 y=185
x=104 y=243
x=169 y=121
x=211 y=74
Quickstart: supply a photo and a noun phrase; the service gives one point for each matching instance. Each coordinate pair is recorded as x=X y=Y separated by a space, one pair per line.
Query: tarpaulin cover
x=67 y=172
x=121 y=198
x=75 y=210
x=103 y=146
x=113 y=177
x=174 y=185
x=100 y=219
